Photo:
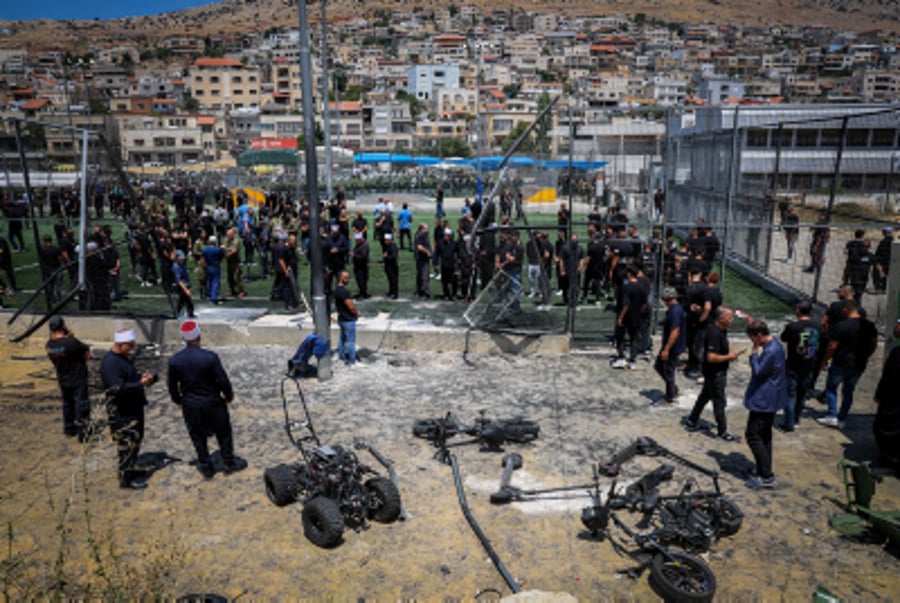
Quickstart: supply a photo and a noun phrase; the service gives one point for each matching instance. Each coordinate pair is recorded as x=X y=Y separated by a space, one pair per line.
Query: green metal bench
x=859 y=486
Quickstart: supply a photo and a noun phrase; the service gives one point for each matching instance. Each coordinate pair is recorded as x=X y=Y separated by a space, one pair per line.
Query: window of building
x=757 y=138
x=238 y=91
x=884 y=138
x=831 y=137
x=807 y=138
x=214 y=79
x=236 y=79
x=857 y=138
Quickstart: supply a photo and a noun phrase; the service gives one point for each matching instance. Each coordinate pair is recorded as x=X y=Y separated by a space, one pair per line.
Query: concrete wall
x=372 y=334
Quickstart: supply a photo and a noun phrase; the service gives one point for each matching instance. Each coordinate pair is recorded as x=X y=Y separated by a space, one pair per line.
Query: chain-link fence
x=801 y=197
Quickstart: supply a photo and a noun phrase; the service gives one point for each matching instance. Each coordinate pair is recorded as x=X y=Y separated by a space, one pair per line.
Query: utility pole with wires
x=317 y=281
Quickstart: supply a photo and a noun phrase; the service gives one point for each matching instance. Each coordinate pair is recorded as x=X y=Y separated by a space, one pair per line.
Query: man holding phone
x=766 y=394
x=716 y=359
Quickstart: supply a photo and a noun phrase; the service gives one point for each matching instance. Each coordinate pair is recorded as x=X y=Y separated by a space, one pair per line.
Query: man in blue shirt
x=404 y=218
x=199 y=385
x=674 y=342
x=766 y=394
x=213 y=256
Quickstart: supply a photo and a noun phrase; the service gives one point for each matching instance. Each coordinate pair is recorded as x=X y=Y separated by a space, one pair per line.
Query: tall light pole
x=317 y=282
x=329 y=162
x=479 y=183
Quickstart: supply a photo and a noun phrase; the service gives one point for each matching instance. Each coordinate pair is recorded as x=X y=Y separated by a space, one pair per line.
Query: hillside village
x=429 y=82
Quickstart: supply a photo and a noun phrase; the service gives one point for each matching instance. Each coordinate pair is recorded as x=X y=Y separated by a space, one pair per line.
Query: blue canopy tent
x=487 y=163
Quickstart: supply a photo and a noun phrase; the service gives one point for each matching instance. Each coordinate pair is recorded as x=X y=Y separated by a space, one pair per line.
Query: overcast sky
x=89 y=9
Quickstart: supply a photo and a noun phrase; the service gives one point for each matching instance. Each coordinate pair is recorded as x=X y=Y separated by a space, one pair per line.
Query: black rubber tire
x=384 y=500
x=281 y=485
x=323 y=523
x=682 y=579
x=724 y=515
x=520 y=430
x=426 y=428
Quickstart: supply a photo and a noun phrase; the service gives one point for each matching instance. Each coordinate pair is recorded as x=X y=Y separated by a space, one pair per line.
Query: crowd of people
x=614 y=263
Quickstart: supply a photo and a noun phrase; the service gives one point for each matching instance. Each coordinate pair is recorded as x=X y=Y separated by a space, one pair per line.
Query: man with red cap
x=198 y=384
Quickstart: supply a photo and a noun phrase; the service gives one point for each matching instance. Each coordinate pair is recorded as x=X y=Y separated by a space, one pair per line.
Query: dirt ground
x=68 y=528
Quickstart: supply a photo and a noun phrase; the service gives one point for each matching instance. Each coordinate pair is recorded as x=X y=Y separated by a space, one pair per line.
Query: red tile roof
x=35 y=104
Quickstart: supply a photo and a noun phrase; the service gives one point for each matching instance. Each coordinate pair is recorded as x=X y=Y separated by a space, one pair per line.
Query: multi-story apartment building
x=546 y=22
x=387 y=126
x=669 y=90
x=13 y=60
x=451 y=101
x=183 y=44
x=721 y=91
x=286 y=81
x=156 y=86
x=448 y=48
x=223 y=84
x=166 y=140
x=347 y=123
x=423 y=81
x=877 y=85
x=428 y=132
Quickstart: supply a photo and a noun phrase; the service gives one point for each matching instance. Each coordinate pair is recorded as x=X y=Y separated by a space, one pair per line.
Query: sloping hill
x=237 y=16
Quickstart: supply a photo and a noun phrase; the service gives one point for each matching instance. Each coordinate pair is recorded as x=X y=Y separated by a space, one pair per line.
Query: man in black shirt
x=677 y=276
x=882 y=267
x=717 y=358
x=852 y=250
x=694 y=301
x=791 y=225
x=423 y=251
x=801 y=341
x=360 y=255
x=281 y=287
x=628 y=321
x=448 y=256
x=361 y=225
x=511 y=263
x=69 y=357
x=533 y=257
x=391 y=265
x=126 y=399
x=596 y=257
x=859 y=269
x=569 y=260
x=51 y=258
x=198 y=383
x=852 y=342
x=347 y=315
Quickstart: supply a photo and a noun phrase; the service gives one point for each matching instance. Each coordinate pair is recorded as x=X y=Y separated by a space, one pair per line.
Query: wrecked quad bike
x=489 y=433
x=334 y=487
x=675 y=576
